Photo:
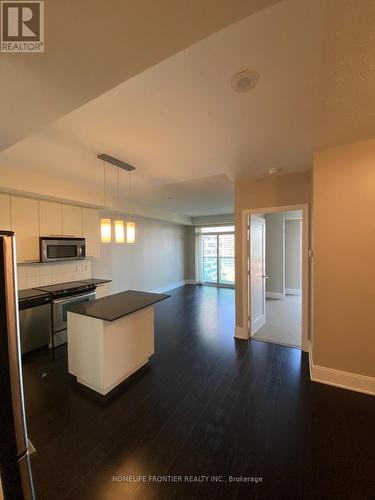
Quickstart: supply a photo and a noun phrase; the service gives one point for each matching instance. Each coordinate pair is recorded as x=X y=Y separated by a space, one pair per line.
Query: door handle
x=265 y=277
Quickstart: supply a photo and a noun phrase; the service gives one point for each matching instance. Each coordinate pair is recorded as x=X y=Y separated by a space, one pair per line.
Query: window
x=217 y=229
x=217 y=262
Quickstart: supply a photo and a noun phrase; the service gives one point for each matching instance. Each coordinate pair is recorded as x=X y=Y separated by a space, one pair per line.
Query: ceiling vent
x=244 y=80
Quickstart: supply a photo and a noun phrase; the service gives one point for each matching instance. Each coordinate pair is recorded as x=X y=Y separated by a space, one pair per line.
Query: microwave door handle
x=44 y=252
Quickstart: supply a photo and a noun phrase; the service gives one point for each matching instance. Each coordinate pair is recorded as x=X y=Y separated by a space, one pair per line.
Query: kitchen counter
x=118 y=305
x=111 y=338
x=31 y=293
x=96 y=281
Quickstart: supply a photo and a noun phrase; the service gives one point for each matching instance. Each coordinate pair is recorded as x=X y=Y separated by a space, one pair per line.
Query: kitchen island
x=111 y=338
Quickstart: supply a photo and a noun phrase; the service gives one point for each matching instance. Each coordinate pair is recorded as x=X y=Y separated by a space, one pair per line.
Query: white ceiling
x=201 y=196
x=93 y=45
x=188 y=134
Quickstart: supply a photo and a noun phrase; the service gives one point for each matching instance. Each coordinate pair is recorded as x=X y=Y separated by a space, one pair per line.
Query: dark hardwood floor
x=208 y=405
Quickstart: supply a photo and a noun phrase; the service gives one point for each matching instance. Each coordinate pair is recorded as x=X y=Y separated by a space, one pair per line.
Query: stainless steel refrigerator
x=15 y=470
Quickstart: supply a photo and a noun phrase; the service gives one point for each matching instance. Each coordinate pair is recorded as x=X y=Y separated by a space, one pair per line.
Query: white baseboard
x=293 y=291
x=172 y=286
x=241 y=333
x=275 y=295
x=191 y=282
x=338 y=378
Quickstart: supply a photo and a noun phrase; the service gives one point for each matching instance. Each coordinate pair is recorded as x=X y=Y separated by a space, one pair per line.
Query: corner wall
x=344 y=258
x=293 y=256
x=275 y=284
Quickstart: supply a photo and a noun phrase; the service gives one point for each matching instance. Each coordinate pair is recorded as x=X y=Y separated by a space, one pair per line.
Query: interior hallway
x=283 y=321
x=207 y=405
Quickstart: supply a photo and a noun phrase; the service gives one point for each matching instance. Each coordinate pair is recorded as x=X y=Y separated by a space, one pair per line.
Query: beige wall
x=156 y=260
x=273 y=191
x=344 y=258
x=293 y=262
x=213 y=219
x=190 y=253
x=275 y=252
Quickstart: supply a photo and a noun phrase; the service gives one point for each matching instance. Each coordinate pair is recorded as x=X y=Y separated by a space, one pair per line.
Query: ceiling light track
x=116 y=162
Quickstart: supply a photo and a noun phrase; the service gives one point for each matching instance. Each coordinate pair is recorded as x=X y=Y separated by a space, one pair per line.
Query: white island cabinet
x=111 y=338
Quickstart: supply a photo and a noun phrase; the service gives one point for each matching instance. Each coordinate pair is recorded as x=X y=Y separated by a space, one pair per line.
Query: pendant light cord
x=118 y=189
x=104 y=185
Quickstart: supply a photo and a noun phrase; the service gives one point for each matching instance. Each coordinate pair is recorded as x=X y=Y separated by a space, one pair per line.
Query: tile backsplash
x=35 y=275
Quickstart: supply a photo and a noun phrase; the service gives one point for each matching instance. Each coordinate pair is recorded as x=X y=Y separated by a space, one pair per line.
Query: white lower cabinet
x=103 y=290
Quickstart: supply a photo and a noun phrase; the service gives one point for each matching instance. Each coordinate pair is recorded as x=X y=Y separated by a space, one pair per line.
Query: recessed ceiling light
x=244 y=80
x=274 y=170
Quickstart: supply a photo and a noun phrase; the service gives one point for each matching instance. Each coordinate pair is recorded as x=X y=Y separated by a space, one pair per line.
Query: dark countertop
x=30 y=293
x=118 y=305
x=95 y=281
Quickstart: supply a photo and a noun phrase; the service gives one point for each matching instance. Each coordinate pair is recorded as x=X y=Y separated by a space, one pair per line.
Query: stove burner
x=70 y=288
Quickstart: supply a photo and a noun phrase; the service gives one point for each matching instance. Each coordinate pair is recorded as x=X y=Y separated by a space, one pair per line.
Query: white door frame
x=305 y=266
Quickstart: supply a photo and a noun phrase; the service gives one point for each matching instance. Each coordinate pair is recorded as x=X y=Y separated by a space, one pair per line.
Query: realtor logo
x=22 y=26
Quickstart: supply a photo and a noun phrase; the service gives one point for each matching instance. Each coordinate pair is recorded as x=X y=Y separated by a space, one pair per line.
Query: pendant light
x=119 y=223
x=105 y=224
x=119 y=231
x=130 y=232
x=105 y=230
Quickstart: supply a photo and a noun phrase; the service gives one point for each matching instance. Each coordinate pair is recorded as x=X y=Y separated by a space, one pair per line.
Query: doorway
x=277 y=263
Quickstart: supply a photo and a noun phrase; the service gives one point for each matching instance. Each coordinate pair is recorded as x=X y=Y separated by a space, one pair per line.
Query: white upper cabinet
x=4 y=212
x=25 y=224
x=72 y=221
x=50 y=218
x=91 y=231
x=30 y=218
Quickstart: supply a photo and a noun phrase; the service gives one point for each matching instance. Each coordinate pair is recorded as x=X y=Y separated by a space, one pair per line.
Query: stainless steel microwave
x=54 y=248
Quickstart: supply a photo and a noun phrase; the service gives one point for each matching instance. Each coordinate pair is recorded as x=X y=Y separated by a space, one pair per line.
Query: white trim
x=338 y=378
x=292 y=291
x=305 y=265
x=275 y=295
x=191 y=282
x=241 y=333
x=172 y=286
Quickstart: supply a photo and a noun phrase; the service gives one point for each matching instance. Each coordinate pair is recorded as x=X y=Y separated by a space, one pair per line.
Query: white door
x=257 y=274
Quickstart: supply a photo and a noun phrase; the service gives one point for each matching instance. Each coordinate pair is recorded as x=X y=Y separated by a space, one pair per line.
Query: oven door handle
x=71 y=298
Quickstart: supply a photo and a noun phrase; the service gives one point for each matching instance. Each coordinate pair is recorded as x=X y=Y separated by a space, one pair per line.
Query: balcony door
x=218 y=256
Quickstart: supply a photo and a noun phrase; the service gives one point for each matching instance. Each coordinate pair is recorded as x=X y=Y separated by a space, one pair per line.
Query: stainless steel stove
x=64 y=295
